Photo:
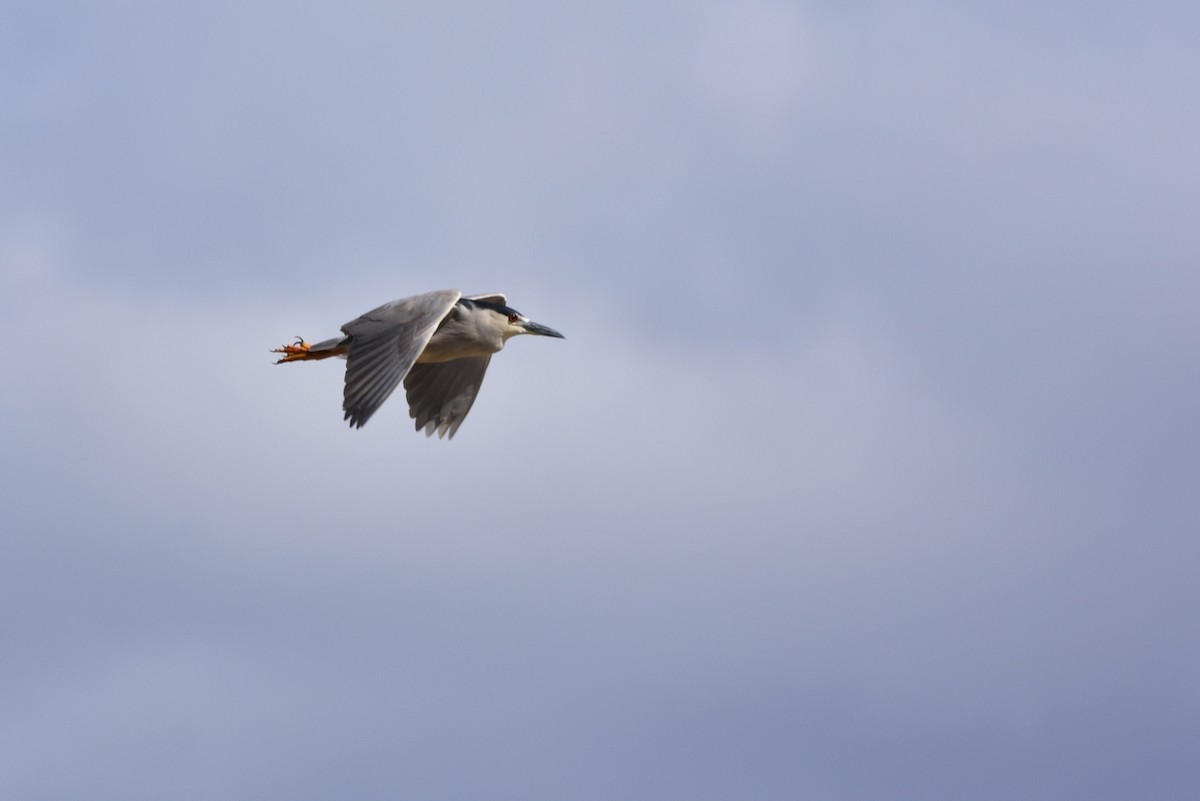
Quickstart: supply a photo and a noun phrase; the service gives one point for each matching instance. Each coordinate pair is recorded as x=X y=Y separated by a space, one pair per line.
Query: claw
x=292 y=353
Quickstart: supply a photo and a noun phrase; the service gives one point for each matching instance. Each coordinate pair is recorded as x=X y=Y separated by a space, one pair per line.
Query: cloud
x=869 y=442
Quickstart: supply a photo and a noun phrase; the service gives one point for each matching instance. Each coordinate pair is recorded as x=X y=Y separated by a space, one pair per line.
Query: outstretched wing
x=383 y=345
x=441 y=393
x=497 y=299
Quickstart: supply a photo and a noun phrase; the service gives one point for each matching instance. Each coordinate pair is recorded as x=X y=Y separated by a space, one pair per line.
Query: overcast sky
x=869 y=467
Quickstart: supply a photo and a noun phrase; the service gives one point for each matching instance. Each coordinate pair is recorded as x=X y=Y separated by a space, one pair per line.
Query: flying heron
x=439 y=344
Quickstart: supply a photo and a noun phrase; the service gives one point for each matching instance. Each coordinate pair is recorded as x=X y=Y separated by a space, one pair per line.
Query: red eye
x=512 y=318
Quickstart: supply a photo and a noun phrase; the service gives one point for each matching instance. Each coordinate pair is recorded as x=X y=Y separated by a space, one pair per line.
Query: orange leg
x=293 y=353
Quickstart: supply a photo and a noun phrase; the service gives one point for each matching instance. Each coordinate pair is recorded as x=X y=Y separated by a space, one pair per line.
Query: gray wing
x=441 y=393
x=384 y=344
x=499 y=299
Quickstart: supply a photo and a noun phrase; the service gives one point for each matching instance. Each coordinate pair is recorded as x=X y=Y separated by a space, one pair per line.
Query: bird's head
x=511 y=322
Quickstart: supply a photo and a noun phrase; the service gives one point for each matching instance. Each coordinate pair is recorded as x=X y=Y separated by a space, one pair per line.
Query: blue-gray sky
x=870 y=467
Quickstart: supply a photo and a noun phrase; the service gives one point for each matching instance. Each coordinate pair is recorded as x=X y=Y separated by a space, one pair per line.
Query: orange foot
x=293 y=353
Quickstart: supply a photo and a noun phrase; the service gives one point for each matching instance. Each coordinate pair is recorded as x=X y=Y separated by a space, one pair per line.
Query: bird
x=439 y=344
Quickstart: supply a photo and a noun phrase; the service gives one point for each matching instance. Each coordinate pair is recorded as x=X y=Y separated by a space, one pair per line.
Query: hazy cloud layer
x=867 y=469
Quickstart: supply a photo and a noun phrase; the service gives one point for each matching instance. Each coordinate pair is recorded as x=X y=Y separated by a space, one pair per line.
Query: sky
x=868 y=468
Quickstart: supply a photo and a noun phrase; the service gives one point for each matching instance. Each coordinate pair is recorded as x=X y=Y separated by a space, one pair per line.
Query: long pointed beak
x=540 y=330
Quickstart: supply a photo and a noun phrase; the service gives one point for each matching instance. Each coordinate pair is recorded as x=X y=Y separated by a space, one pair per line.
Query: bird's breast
x=452 y=342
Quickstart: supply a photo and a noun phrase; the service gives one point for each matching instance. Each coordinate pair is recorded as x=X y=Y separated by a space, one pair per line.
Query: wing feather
x=497 y=299
x=440 y=394
x=383 y=346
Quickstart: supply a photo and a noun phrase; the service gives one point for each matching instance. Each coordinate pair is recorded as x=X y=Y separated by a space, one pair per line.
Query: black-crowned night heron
x=439 y=344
